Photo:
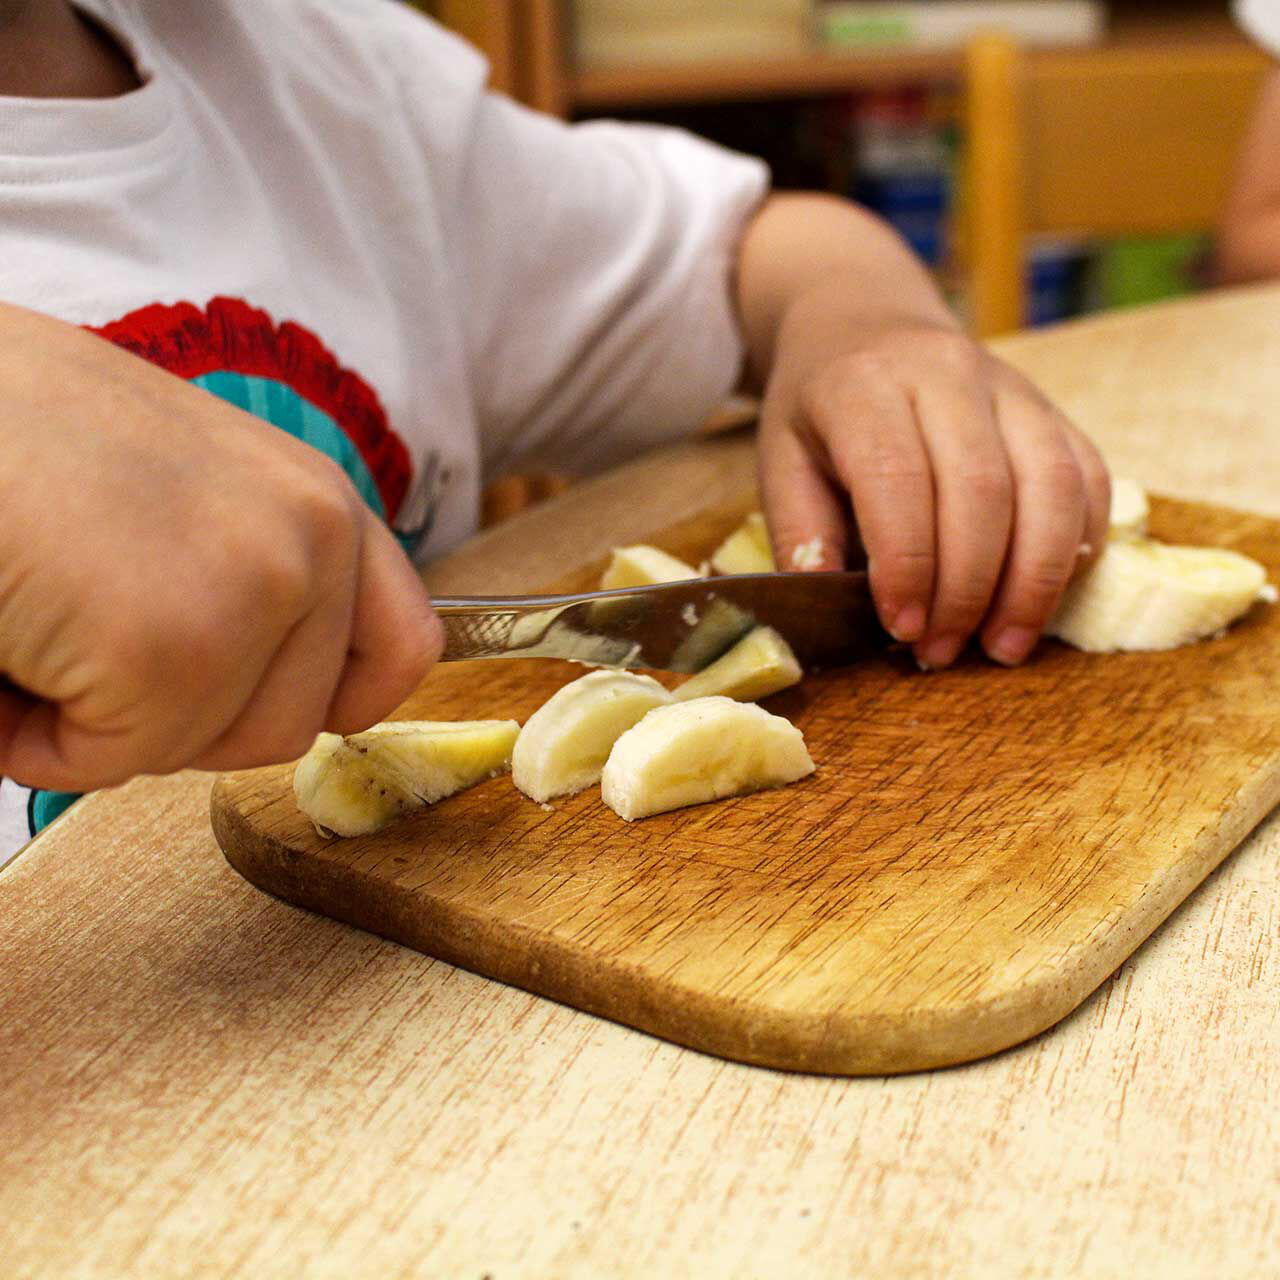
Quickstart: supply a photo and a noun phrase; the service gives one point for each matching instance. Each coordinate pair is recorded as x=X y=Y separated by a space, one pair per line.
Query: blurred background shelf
x=1038 y=182
x=608 y=88
x=1135 y=28
x=530 y=47
x=888 y=126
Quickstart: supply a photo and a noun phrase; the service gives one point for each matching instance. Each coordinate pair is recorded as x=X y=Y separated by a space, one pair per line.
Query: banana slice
x=642 y=566
x=760 y=663
x=358 y=784
x=1145 y=595
x=1129 y=511
x=563 y=746
x=705 y=749
x=746 y=549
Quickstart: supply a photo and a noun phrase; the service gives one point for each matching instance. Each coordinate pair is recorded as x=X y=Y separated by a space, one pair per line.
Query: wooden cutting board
x=978 y=850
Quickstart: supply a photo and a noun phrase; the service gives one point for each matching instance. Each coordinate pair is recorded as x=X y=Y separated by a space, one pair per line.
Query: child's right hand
x=180 y=583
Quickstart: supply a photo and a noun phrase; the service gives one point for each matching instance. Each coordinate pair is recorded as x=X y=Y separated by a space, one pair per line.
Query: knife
x=672 y=626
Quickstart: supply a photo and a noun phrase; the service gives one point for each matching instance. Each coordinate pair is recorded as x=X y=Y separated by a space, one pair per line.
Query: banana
x=1146 y=595
x=760 y=663
x=705 y=749
x=746 y=549
x=356 y=785
x=1129 y=511
x=643 y=566
x=809 y=555
x=563 y=746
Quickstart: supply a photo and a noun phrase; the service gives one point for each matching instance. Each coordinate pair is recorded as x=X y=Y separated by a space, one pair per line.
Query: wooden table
x=197 y=1080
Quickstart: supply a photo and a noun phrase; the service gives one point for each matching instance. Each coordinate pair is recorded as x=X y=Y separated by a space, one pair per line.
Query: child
x=312 y=213
x=1248 y=247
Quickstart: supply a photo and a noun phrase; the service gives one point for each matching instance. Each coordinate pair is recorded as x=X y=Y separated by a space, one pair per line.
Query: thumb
x=20 y=717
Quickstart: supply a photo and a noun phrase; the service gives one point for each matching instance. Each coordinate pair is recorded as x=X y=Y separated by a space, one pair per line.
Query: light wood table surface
x=197 y=1080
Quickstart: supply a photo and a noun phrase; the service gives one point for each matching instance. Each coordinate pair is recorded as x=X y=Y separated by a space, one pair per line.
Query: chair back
x=1097 y=143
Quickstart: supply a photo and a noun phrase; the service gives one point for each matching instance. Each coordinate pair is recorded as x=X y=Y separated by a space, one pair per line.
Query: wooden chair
x=1126 y=141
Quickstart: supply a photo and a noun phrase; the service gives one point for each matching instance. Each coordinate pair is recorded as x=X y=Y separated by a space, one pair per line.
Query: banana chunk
x=1145 y=595
x=746 y=549
x=760 y=663
x=706 y=749
x=356 y=785
x=1129 y=511
x=563 y=746
x=643 y=566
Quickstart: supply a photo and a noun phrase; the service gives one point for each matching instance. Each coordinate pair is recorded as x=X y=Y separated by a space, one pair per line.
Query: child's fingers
x=141 y=723
x=974 y=510
x=352 y=657
x=800 y=506
x=349 y=664
x=1097 y=489
x=871 y=434
x=1049 y=528
x=280 y=717
x=256 y=711
x=15 y=707
x=396 y=637
x=47 y=749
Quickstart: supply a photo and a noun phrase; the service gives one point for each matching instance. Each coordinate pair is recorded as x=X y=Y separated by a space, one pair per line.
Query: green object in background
x=876 y=27
x=1141 y=269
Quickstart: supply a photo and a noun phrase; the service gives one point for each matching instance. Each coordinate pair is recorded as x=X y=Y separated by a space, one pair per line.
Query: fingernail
x=1012 y=645
x=941 y=651
x=908 y=624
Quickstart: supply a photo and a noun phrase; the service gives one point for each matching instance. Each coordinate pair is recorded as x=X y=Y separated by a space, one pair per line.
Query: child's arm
x=975 y=497
x=1248 y=246
x=180 y=583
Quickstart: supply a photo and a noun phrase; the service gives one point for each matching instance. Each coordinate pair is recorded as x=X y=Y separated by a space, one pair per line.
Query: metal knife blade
x=673 y=626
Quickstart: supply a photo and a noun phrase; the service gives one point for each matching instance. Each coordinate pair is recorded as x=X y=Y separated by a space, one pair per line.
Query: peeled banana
x=1146 y=595
x=1141 y=594
x=643 y=566
x=358 y=784
x=565 y=743
x=705 y=749
x=746 y=549
x=760 y=663
x=1129 y=511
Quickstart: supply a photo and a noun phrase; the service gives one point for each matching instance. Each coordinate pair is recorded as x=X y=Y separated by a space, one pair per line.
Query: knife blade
x=672 y=626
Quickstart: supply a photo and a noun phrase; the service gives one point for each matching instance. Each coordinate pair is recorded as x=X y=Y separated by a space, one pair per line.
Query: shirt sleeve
x=15 y=827
x=597 y=272
x=1261 y=19
x=591 y=265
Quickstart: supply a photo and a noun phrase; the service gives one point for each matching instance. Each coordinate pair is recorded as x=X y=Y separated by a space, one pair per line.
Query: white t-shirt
x=1261 y=19
x=314 y=209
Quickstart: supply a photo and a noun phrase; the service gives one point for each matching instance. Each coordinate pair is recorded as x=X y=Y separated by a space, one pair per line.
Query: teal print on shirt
x=44 y=806
x=285 y=408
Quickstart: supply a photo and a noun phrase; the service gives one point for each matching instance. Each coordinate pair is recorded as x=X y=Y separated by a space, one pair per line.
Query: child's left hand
x=975 y=498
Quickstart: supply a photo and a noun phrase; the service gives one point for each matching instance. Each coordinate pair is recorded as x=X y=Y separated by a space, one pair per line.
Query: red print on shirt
x=230 y=335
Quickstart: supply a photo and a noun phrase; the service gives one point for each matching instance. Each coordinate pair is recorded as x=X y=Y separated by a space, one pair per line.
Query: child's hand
x=976 y=499
x=180 y=583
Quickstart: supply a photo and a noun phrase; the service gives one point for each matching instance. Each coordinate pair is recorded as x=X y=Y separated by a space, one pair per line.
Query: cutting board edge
x=789 y=1041
x=751 y=1032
